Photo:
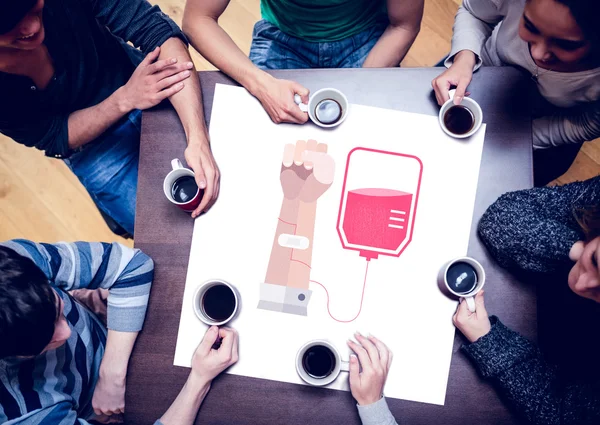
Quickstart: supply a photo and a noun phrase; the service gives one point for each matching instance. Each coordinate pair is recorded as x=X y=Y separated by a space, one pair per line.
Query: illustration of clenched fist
x=307 y=170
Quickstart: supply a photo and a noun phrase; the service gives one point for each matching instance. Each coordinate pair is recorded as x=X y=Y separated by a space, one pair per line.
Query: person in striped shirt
x=59 y=364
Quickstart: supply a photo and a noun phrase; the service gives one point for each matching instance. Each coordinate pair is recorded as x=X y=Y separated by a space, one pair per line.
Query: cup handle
x=176 y=163
x=470 y=304
x=298 y=101
x=344 y=366
x=451 y=93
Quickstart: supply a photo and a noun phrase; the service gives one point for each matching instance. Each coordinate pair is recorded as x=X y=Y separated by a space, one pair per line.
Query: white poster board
x=402 y=304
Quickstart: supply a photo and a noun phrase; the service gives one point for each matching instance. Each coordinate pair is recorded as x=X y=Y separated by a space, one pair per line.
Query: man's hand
x=207 y=362
x=459 y=75
x=375 y=359
x=199 y=158
x=109 y=395
x=152 y=82
x=277 y=97
x=307 y=171
x=472 y=325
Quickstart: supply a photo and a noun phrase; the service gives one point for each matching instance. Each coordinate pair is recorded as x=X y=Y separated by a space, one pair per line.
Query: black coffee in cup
x=218 y=302
x=328 y=111
x=318 y=361
x=461 y=277
x=459 y=119
x=184 y=189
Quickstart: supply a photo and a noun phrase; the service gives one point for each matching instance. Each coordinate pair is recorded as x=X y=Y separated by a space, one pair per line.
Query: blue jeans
x=273 y=49
x=108 y=168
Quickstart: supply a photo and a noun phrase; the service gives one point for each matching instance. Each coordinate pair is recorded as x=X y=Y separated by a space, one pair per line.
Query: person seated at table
x=540 y=230
x=558 y=43
x=297 y=34
x=58 y=363
x=72 y=87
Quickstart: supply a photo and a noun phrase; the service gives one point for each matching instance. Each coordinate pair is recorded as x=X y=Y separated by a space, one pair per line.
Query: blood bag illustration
x=379 y=202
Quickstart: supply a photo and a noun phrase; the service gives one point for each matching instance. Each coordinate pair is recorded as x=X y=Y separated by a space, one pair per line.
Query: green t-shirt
x=323 y=20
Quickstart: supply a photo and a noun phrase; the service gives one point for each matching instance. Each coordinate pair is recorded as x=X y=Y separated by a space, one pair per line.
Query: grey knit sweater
x=534 y=229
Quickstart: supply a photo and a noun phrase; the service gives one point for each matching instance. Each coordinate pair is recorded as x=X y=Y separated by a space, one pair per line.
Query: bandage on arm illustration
x=306 y=173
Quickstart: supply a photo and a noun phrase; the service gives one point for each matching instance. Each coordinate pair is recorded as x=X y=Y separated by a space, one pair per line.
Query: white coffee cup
x=318 y=97
x=178 y=171
x=468 y=296
x=198 y=302
x=340 y=365
x=471 y=105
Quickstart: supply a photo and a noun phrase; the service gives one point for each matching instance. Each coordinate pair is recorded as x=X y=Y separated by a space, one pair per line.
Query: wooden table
x=165 y=233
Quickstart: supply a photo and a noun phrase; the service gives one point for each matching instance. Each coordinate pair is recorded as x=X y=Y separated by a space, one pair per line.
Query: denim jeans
x=273 y=49
x=108 y=168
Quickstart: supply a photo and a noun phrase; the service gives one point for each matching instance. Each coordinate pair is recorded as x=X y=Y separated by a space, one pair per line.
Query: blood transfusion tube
x=379 y=202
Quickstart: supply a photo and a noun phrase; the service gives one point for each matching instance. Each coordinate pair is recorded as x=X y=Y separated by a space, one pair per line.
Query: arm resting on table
x=520 y=373
x=377 y=413
x=581 y=125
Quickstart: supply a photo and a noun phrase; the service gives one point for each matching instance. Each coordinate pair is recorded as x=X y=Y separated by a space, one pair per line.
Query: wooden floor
x=41 y=200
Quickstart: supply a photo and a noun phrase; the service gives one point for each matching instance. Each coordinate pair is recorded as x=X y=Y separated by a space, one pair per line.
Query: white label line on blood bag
x=395 y=226
x=396 y=219
x=398 y=212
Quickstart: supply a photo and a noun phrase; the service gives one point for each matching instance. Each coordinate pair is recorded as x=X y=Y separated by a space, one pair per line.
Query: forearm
x=90 y=123
x=301 y=263
x=568 y=127
x=280 y=259
x=188 y=101
x=392 y=46
x=219 y=49
x=184 y=409
x=119 y=346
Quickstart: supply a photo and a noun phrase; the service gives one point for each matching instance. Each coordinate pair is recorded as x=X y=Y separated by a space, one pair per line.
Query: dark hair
x=589 y=221
x=12 y=12
x=27 y=306
x=586 y=13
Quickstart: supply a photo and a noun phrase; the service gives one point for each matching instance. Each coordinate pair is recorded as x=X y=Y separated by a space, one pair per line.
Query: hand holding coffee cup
x=460 y=121
x=319 y=363
x=472 y=325
x=375 y=359
x=180 y=187
x=326 y=108
x=463 y=277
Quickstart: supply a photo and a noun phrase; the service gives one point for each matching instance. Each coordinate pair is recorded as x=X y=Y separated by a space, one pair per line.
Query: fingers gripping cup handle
x=470 y=304
x=298 y=100
x=451 y=93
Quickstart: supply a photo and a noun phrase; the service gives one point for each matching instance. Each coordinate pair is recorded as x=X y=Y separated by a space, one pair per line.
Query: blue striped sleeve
x=58 y=414
x=127 y=273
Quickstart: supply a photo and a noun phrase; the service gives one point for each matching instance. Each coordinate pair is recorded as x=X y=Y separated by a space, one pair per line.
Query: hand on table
x=375 y=359
x=207 y=362
x=307 y=171
x=459 y=75
x=153 y=81
x=277 y=97
x=472 y=325
x=199 y=158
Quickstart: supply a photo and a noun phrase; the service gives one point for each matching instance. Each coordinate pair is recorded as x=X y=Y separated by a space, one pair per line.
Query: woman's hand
x=375 y=359
x=472 y=325
x=459 y=75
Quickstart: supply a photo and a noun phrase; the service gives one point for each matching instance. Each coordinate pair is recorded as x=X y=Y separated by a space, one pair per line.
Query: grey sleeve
x=377 y=413
x=531 y=385
x=473 y=25
x=137 y=21
x=579 y=125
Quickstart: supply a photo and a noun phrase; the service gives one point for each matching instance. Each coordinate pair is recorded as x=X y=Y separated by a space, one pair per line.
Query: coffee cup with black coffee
x=319 y=363
x=326 y=107
x=463 y=277
x=216 y=302
x=180 y=187
x=460 y=121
